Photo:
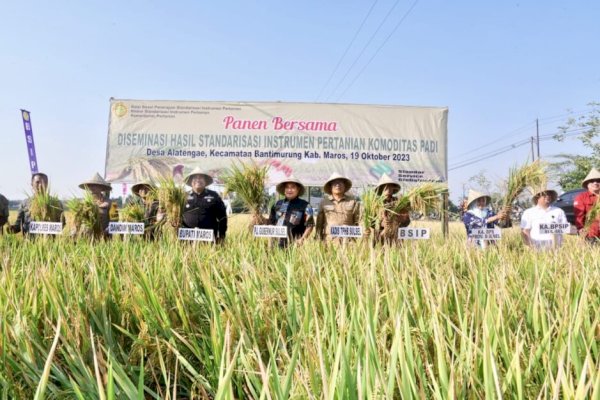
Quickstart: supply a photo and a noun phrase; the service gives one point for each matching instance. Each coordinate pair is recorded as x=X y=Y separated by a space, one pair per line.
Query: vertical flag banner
x=33 y=165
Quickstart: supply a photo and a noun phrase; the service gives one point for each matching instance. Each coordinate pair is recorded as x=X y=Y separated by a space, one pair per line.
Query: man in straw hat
x=204 y=208
x=39 y=184
x=583 y=205
x=292 y=211
x=100 y=189
x=143 y=190
x=337 y=207
x=391 y=220
x=542 y=212
x=479 y=215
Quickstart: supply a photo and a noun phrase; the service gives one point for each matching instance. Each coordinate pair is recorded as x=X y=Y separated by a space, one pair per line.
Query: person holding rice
x=293 y=212
x=39 y=186
x=588 y=224
x=391 y=219
x=542 y=212
x=479 y=215
x=337 y=207
x=99 y=189
x=204 y=208
x=143 y=190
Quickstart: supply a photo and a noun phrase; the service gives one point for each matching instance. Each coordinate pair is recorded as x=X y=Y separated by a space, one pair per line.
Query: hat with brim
x=475 y=195
x=386 y=180
x=149 y=185
x=538 y=193
x=335 y=176
x=594 y=174
x=281 y=186
x=96 y=181
x=198 y=171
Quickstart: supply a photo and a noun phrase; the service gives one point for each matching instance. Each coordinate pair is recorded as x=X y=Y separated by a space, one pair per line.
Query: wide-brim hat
x=537 y=193
x=475 y=195
x=198 y=171
x=281 y=186
x=594 y=174
x=333 y=177
x=386 y=180
x=96 y=180
x=135 y=189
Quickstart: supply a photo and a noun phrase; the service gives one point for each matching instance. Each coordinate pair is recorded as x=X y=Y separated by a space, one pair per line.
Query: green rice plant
x=132 y=212
x=592 y=215
x=248 y=181
x=372 y=205
x=519 y=178
x=171 y=198
x=44 y=207
x=85 y=216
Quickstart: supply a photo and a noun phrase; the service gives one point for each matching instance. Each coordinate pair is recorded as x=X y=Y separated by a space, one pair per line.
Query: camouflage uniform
x=332 y=212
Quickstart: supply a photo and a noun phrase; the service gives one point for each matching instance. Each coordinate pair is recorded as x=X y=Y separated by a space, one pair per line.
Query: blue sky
x=497 y=65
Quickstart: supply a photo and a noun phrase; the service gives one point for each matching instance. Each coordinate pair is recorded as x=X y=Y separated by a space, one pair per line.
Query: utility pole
x=537 y=133
x=532 y=152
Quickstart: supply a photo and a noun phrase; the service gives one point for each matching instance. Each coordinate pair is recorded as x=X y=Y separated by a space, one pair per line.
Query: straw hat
x=538 y=192
x=474 y=195
x=594 y=174
x=147 y=183
x=386 y=180
x=96 y=180
x=281 y=186
x=198 y=171
x=333 y=177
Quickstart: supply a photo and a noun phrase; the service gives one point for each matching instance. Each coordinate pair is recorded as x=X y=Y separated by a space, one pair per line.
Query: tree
x=571 y=169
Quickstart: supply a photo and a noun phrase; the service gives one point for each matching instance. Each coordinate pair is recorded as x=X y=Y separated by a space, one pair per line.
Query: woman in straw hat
x=337 y=207
x=583 y=205
x=387 y=231
x=99 y=188
x=144 y=191
x=479 y=215
x=292 y=211
x=542 y=212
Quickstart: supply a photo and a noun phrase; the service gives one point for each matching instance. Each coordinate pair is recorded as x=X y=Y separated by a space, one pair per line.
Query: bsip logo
x=120 y=109
x=25 y=115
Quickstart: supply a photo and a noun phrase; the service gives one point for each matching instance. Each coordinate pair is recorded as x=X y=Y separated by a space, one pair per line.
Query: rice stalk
x=85 y=215
x=519 y=178
x=248 y=181
x=592 y=215
x=132 y=212
x=44 y=207
x=171 y=199
x=423 y=199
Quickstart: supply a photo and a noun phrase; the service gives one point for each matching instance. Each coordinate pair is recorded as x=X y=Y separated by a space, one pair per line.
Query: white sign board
x=347 y=231
x=45 y=228
x=155 y=138
x=554 y=228
x=202 y=235
x=486 y=234
x=126 y=228
x=413 y=233
x=270 y=231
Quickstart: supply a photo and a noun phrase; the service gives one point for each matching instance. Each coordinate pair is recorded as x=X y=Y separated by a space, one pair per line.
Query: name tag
x=270 y=231
x=349 y=231
x=45 y=228
x=486 y=234
x=202 y=235
x=126 y=228
x=553 y=228
x=413 y=233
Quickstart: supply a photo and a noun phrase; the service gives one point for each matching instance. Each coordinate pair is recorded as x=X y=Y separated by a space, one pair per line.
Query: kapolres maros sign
x=311 y=141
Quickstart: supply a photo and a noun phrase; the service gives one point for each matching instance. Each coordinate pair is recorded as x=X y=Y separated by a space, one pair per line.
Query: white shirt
x=531 y=219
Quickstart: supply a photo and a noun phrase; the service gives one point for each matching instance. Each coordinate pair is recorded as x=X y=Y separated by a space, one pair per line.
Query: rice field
x=431 y=319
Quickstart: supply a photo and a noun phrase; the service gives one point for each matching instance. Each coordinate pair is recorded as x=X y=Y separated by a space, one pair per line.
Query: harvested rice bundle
x=248 y=181
x=372 y=207
x=85 y=215
x=132 y=212
x=519 y=178
x=423 y=198
x=44 y=207
x=171 y=199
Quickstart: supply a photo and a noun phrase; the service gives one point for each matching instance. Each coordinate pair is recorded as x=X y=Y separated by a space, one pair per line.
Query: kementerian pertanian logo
x=25 y=115
x=120 y=109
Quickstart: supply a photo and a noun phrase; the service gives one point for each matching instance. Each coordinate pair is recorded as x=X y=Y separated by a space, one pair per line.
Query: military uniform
x=206 y=210
x=332 y=212
x=387 y=232
x=3 y=212
x=296 y=214
x=23 y=218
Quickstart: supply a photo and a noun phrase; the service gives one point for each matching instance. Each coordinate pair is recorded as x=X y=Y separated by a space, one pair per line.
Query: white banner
x=413 y=233
x=45 y=228
x=486 y=234
x=202 y=235
x=148 y=139
x=349 y=231
x=126 y=228
x=270 y=231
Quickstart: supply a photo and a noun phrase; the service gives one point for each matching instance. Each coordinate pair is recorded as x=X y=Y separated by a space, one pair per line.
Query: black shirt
x=296 y=214
x=205 y=211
